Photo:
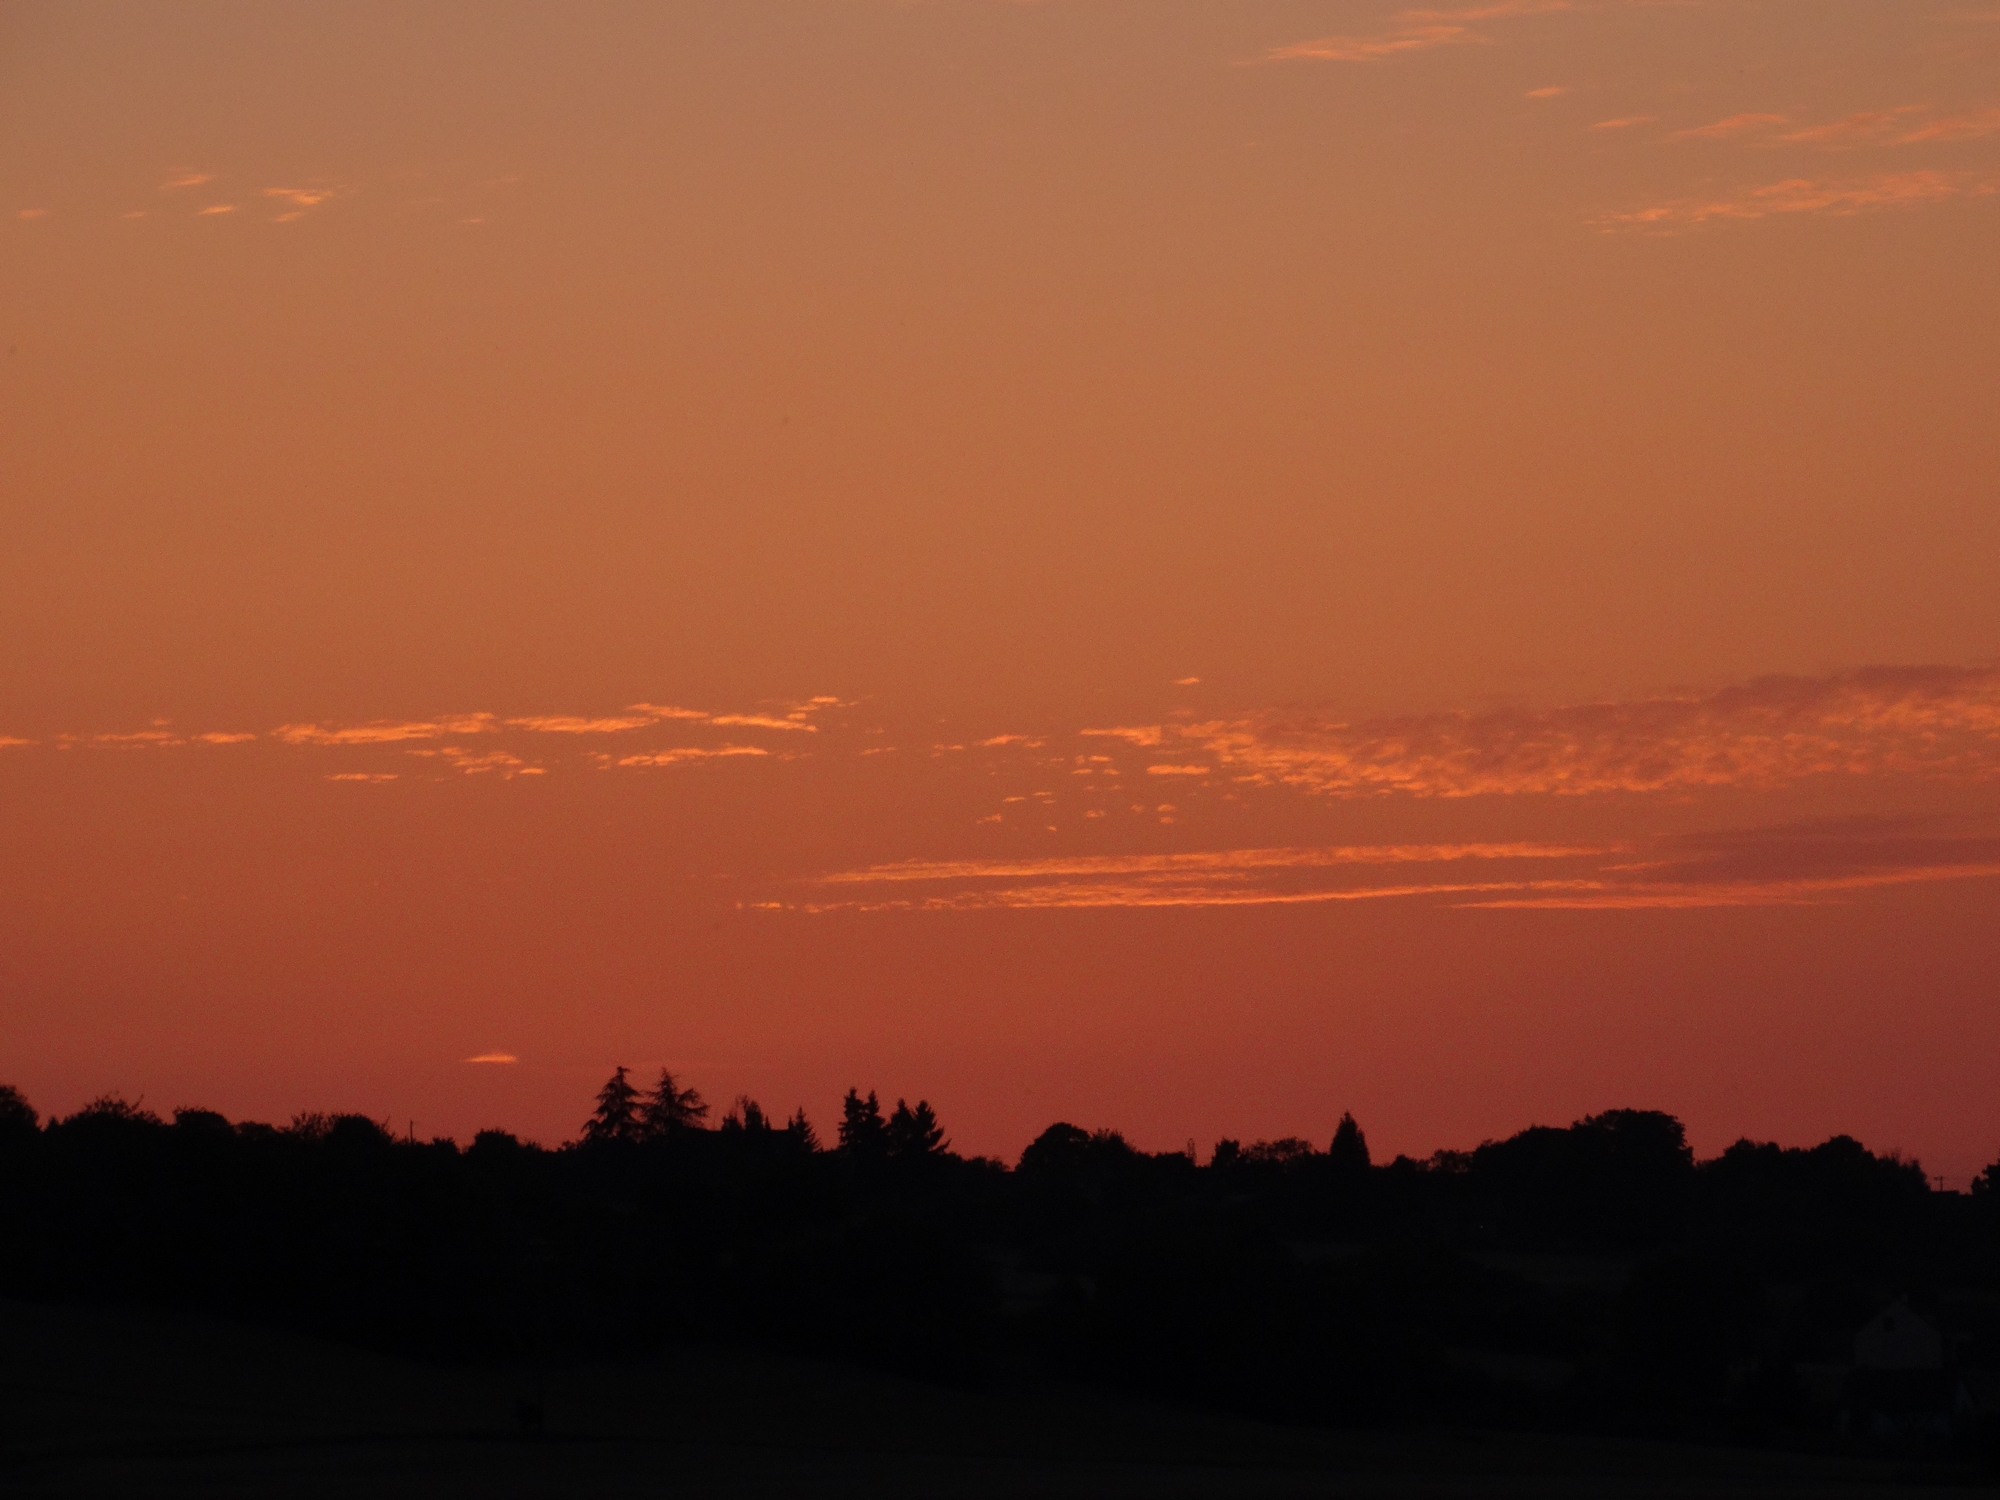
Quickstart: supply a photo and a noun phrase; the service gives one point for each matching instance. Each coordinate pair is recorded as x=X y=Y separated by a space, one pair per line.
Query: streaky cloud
x=1884 y=721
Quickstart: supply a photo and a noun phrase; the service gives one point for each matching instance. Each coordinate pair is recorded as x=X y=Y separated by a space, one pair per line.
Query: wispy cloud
x=186 y=180
x=1965 y=127
x=1804 y=195
x=504 y=763
x=1208 y=862
x=1624 y=123
x=1785 y=866
x=363 y=776
x=684 y=753
x=1858 y=129
x=1731 y=128
x=765 y=721
x=570 y=724
x=1375 y=48
x=494 y=1057
x=1923 y=721
x=386 y=732
x=1417 y=31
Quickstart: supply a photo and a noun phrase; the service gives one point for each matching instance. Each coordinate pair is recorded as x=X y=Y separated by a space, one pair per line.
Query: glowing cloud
x=494 y=1057
x=1730 y=128
x=1800 y=195
x=565 y=724
x=1924 y=721
x=1209 y=862
x=1861 y=129
x=386 y=732
x=686 y=753
x=1374 y=48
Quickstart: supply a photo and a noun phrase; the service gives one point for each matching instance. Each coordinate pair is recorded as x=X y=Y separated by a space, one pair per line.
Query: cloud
x=1860 y=129
x=217 y=737
x=1178 y=770
x=1730 y=128
x=1968 y=127
x=1798 y=865
x=1186 y=681
x=494 y=1057
x=1548 y=93
x=186 y=180
x=386 y=732
x=1028 y=741
x=666 y=711
x=1374 y=48
x=1625 y=123
x=218 y=208
x=1884 y=721
x=567 y=724
x=1418 y=31
x=1498 y=10
x=477 y=763
x=763 y=721
x=32 y=213
x=7 y=741
x=1209 y=862
x=1145 y=736
x=685 y=753
x=303 y=197
x=365 y=776
x=1795 y=865
x=1801 y=195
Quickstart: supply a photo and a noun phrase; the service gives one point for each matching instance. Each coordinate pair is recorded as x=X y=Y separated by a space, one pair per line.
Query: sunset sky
x=1186 y=565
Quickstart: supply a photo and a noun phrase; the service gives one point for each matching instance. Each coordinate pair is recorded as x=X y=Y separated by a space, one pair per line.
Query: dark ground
x=153 y=1404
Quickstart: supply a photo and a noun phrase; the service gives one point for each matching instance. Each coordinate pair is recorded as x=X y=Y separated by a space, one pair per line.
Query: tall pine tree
x=616 y=1117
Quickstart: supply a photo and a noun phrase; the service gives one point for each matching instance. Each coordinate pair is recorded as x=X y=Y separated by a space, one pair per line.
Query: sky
x=1179 y=565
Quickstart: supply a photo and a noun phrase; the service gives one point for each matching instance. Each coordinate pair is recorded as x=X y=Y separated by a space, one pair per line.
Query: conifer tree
x=800 y=1133
x=863 y=1133
x=616 y=1117
x=747 y=1116
x=670 y=1109
x=1349 y=1151
x=914 y=1133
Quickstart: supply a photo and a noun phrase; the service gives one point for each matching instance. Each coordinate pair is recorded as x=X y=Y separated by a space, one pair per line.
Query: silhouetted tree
x=1280 y=1153
x=113 y=1107
x=1985 y=1184
x=616 y=1117
x=864 y=1134
x=17 y=1116
x=746 y=1116
x=914 y=1133
x=1349 y=1151
x=670 y=1109
x=799 y=1131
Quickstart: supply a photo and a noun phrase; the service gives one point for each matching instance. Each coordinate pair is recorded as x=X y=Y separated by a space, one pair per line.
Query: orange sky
x=1180 y=564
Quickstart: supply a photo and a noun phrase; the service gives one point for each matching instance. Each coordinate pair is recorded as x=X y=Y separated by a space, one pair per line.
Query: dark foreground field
x=129 y=1404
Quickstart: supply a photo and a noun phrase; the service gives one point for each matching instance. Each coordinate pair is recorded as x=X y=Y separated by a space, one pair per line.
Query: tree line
x=1592 y=1274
